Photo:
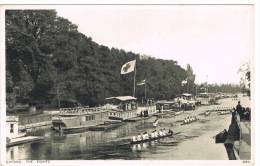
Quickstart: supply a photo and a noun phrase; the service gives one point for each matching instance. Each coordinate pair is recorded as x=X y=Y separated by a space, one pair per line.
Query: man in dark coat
x=239 y=109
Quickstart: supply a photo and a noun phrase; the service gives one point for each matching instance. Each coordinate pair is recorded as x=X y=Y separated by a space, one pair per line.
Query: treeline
x=48 y=60
x=219 y=88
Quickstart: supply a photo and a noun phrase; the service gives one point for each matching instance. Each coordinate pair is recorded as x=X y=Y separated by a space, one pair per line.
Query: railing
x=81 y=110
x=12 y=119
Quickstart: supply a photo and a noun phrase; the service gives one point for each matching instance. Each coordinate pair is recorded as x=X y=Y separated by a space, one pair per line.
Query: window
x=86 y=118
x=11 y=128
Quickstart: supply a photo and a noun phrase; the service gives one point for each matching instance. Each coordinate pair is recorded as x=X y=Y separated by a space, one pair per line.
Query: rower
x=164 y=132
x=155 y=134
x=144 y=136
x=133 y=139
x=152 y=134
x=161 y=133
x=139 y=137
x=170 y=132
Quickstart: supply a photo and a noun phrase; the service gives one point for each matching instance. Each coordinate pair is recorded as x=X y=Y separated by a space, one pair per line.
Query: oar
x=123 y=144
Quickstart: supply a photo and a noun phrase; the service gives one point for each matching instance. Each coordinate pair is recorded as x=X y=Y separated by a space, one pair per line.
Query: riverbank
x=238 y=143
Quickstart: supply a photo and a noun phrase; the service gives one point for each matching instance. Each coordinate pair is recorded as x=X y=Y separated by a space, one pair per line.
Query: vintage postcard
x=131 y=84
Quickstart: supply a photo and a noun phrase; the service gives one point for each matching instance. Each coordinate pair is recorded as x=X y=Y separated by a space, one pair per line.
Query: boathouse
x=12 y=127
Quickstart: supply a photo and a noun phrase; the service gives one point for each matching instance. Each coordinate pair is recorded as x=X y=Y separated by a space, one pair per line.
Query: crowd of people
x=154 y=134
x=244 y=113
x=128 y=105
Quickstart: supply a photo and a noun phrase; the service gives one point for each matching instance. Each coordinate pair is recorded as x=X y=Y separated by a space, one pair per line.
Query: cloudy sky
x=214 y=39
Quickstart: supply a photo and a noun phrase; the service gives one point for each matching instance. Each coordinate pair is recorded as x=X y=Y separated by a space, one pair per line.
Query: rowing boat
x=207 y=113
x=184 y=123
x=150 y=139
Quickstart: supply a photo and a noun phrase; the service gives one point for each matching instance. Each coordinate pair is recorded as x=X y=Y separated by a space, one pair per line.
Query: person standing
x=239 y=108
x=160 y=108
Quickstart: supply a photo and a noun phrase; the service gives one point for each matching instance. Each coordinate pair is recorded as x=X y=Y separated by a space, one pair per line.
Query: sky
x=214 y=39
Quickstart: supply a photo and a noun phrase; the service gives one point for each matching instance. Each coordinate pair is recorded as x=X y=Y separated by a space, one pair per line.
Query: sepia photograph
x=128 y=83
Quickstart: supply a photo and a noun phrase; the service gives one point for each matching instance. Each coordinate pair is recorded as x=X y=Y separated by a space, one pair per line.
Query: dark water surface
x=195 y=141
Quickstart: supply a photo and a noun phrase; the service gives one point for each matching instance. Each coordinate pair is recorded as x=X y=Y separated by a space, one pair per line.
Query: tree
x=48 y=60
x=245 y=78
x=191 y=79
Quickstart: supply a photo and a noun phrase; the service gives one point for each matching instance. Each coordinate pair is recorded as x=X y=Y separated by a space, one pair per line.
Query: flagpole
x=207 y=85
x=188 y=86
x=145 y=89
x=134 y=79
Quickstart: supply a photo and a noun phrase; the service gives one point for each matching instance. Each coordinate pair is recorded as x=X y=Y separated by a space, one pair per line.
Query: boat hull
x=189 y=122
x=102 y=127
x=75 y=123
x=151 y=139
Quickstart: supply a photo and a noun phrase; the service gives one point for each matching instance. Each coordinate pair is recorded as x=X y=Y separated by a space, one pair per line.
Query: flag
x=184 y=81
x=141 y=83
x=128 y=67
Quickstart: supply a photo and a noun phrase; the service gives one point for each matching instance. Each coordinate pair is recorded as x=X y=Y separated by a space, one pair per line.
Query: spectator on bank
x=239 y=109
x=233 y=112
x=247 y=114
x=160 y=108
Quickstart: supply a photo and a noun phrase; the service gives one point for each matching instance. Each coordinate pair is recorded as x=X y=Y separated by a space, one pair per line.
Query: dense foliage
x=48 y=60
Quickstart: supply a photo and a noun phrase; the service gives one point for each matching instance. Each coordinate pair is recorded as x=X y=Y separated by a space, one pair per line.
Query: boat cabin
x=206 y=98
x=121 y=107
x=186 y=96
x=186 y=101
x=165 y=105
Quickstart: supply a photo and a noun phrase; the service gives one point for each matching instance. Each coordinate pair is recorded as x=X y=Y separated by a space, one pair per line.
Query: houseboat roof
x=122 y=98
x=165 y=102
x=185 y=94
x=204 y=93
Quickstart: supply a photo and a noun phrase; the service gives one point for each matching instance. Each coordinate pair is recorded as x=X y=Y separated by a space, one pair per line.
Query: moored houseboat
x=79 y=118
x=206 y=98
x=122 y=107
x=186 y=101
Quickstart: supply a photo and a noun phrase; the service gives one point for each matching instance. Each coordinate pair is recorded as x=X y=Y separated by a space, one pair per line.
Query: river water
x=194 y=142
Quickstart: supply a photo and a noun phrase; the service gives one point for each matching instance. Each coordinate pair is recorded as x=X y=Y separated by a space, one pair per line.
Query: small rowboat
x=207 y=113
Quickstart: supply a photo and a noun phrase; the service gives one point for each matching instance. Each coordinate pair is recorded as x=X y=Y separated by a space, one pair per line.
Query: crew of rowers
x=154 y=134
x=189 y=119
